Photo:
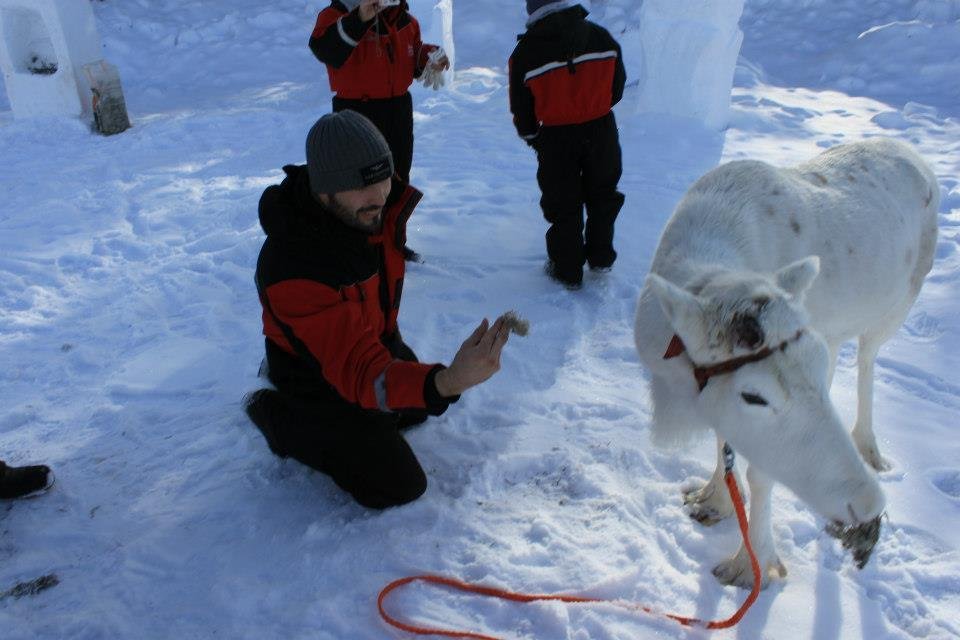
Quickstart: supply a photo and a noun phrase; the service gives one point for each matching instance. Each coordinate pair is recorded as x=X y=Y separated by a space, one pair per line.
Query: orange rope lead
x=754 y=565
x=525 y=597
x=470 y=588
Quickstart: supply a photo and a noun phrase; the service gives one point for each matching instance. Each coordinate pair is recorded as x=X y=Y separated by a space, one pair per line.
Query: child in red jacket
x=566 y=73
x=373 y=53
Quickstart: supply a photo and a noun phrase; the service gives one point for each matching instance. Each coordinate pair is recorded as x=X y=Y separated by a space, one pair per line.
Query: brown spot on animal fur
x=770 y=210
x=850 y=250
x=795 y=226
x=851 y=178
x=775 y=192
x=820 y=178
x=746 y=331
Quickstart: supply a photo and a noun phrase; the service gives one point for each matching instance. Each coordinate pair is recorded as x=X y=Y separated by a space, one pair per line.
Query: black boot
x=572 y=280
x=262 y=408
x=20 y=482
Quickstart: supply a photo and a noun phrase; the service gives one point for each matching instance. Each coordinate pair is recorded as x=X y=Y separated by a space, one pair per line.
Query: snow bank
x=130 y=327
x=898 y=51
x=937 y=10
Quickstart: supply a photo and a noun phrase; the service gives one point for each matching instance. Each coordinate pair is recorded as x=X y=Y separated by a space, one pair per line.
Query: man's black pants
x=394 y=118
x=580 y=166
x=363 y=452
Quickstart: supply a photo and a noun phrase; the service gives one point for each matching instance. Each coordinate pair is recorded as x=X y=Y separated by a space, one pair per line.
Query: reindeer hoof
x=737 y=572
x=873 y=458
x=871 y=455
x=705 y=506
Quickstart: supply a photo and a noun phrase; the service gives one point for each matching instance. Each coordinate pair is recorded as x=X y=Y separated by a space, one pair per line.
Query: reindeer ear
x=681 y=307
x=796 y=278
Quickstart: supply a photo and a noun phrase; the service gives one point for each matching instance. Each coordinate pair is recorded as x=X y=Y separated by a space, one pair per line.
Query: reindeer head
x=726 y=314
x=775 y=410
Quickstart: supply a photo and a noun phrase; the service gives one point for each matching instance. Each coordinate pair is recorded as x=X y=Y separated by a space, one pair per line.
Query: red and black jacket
x=377 y=59
x=330 y=297
x=564 y=70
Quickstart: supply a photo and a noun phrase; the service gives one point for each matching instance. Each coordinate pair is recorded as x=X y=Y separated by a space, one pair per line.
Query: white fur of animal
x=802 y=258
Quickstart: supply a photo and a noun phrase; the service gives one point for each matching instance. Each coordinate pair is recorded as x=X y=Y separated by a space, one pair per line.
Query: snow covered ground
x=129 y=330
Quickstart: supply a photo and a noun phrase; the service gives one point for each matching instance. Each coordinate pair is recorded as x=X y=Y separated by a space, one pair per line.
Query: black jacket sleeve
x=336 y=35
x=436 y=404
x=521 y=100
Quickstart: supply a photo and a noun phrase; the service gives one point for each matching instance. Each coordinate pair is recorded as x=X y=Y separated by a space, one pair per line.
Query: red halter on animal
x=704 y=373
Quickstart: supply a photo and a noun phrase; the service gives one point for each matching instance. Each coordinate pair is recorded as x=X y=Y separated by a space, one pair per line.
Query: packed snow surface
x=130 y=329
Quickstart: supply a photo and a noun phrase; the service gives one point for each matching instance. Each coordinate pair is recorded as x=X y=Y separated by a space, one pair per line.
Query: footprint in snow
x=947 y=482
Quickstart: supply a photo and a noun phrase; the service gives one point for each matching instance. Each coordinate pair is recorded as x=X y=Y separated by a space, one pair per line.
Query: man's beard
x=351 y=217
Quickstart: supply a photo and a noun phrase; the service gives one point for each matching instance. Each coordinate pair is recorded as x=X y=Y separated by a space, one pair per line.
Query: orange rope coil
x=512 y=596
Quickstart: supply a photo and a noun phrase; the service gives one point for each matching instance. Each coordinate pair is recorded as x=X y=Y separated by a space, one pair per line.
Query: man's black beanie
x=345 y=151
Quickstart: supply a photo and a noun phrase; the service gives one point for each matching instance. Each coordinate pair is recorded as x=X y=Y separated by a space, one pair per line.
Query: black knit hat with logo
x=345 y=151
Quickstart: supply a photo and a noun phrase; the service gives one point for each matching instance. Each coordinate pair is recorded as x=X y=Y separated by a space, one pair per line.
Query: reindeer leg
x=737 y=570
x=834 y=351
x=862 y=433
x=710 y=503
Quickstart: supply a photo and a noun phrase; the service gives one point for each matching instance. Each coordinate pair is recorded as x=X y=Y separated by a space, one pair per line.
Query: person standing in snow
x=566 y=73
x=373 y=52
x=330 y=276
x=20 y=482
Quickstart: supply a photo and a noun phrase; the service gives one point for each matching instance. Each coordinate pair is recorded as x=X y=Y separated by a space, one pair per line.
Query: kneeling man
x=329 y=276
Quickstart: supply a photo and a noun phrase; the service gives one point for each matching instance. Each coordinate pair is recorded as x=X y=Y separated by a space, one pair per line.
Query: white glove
x=437 y=63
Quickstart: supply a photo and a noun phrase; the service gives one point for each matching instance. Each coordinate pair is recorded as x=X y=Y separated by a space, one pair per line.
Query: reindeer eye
x=752 y=398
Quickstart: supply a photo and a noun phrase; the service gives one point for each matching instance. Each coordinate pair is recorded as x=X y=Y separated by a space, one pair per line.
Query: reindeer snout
x=858 y=539
x=866 y=505
x=859 y=531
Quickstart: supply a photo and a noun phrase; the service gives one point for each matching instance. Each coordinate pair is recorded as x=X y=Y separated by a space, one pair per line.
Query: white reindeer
x=740 y=335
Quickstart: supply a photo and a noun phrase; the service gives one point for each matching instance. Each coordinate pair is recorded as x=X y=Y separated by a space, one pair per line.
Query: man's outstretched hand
x=477 y=359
